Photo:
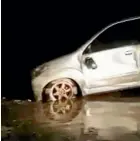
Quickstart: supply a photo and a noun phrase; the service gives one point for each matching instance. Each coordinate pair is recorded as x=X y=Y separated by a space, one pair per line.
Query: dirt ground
x=111 y=116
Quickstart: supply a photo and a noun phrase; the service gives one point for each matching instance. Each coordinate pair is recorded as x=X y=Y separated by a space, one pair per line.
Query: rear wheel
x=60 y=89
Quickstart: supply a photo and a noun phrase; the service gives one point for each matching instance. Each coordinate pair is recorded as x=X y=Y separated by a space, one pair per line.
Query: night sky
x=35 y=32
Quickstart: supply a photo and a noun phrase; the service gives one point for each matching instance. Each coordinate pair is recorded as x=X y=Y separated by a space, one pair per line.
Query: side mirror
x=90 y=63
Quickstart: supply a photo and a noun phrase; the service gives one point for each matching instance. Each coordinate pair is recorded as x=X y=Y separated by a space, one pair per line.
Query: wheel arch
x=41 y=82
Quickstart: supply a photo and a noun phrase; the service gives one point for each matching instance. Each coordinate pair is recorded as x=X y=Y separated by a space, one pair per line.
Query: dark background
x=35 y=32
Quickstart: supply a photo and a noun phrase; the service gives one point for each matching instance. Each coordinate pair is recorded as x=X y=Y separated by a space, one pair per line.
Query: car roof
x=106 y=28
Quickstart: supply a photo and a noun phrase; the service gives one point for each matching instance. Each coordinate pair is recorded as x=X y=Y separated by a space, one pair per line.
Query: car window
x=121 y=34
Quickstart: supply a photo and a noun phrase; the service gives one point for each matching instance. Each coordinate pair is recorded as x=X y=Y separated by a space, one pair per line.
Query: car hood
x=63 y=62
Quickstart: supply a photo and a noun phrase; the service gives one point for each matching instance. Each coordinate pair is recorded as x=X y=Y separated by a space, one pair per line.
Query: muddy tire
x=61 y=89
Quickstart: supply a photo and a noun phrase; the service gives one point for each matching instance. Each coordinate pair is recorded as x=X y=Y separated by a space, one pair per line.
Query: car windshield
x=127 y=33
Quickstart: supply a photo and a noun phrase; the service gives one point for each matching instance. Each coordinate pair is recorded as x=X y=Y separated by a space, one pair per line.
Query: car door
x=113 y=60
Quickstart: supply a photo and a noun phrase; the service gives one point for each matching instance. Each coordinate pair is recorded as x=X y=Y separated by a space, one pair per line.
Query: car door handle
x=129 y=52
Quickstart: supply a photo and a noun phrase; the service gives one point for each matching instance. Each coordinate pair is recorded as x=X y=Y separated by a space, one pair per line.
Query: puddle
x=112 y=116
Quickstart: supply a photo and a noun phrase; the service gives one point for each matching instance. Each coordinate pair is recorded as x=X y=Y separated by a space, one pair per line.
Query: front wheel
x=61 y=89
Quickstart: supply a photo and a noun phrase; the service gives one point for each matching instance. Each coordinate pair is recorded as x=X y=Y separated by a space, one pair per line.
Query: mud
x=111 y=116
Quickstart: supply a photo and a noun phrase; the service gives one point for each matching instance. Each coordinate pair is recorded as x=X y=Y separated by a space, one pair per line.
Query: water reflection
x=64 y=110
x=103 y=117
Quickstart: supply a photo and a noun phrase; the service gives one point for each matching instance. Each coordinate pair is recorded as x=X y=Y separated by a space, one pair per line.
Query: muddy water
x=111 y=116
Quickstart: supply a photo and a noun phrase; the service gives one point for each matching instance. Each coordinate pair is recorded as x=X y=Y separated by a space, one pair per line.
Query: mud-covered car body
x=98 y=66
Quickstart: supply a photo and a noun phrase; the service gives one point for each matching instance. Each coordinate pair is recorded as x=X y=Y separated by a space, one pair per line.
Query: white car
x=109 y=61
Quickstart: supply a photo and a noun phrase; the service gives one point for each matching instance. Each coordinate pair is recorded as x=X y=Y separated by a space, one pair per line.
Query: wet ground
x=111 y=116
